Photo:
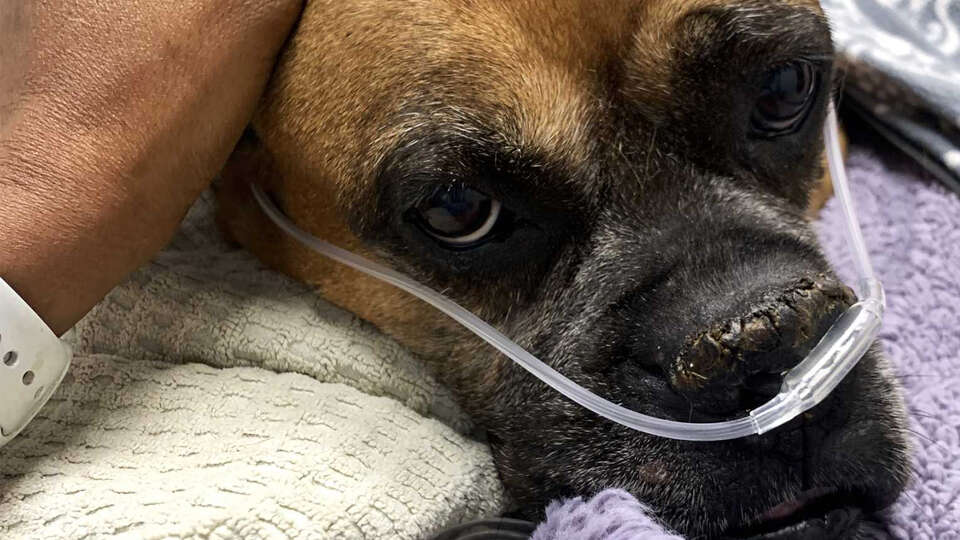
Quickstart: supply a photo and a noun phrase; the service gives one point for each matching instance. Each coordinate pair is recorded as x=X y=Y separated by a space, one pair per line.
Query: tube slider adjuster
x=33 y=361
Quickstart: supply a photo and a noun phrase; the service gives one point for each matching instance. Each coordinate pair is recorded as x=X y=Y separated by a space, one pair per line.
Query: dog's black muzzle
x=730 y=291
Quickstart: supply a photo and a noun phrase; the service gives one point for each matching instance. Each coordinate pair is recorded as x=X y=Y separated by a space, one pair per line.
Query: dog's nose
x=738 y=364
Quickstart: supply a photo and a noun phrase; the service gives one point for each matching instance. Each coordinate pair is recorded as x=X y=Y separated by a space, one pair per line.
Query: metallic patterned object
x=902 y=59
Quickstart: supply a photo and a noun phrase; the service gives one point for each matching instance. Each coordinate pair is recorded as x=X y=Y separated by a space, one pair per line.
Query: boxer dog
x=620 y=186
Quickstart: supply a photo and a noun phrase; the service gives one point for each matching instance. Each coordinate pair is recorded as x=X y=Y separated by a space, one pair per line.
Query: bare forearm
x=117 y=116
x=63 y=249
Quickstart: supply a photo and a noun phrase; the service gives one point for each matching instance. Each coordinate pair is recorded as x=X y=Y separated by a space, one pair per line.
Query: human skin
x=114 y=116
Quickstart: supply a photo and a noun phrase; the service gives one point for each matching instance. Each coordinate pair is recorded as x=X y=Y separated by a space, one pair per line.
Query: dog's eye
x=786 y=98
x=458 y=216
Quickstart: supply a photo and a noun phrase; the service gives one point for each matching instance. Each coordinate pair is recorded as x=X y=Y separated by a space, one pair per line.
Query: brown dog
x=620 y=187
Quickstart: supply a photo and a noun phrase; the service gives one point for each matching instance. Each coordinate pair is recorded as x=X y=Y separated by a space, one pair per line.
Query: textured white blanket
x=210 y=397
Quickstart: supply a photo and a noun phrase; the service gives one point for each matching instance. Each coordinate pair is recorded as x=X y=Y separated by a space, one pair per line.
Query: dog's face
x=620 y=187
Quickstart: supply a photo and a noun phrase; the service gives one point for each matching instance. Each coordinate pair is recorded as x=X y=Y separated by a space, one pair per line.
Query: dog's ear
x=238 y=214
x=243 y=221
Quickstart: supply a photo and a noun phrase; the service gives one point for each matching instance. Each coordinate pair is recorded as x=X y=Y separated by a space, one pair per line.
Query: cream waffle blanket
x=210 y=397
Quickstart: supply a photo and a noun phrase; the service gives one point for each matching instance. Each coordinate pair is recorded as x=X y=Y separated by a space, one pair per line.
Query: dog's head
x=620 y=187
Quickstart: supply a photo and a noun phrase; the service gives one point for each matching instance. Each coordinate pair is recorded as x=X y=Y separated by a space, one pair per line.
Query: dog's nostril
x=738 y=364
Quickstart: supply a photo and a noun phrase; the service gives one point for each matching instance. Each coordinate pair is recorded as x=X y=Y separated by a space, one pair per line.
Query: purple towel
x=611 y=515
x=912 y=228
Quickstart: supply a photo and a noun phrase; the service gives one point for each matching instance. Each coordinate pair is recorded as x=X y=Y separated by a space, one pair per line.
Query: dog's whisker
x=628 y=162
x=929 y=439
x=923 y=414
x=650 y=150
x=909 y=496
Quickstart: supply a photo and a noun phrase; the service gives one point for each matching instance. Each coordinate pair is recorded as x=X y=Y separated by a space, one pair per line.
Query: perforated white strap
x=32 y=363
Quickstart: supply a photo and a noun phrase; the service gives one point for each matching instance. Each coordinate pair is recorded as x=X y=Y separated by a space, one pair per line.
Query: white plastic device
x=33 y=362
x=804 y=386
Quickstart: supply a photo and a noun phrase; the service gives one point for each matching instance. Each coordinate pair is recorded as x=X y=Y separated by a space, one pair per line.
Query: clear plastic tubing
x=804 y=386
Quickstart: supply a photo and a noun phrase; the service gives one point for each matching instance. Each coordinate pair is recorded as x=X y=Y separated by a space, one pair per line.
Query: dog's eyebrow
x=762 y=32
x=464 y=150
x=442 y=138
x=454 y=150
x=672 y=40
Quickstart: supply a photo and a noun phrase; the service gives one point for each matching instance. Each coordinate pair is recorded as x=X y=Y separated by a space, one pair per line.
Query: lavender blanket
x=912 y=227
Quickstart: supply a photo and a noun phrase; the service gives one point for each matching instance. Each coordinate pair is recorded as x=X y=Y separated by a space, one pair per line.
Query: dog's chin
x=819 y=476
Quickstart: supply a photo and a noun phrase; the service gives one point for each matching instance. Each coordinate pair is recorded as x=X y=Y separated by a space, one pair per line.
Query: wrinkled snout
x=727 y=312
